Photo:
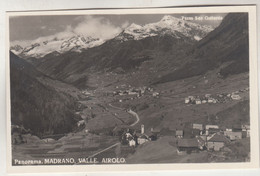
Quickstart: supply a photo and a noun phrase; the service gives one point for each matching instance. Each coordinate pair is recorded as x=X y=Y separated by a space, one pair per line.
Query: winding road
x=130 y=112
x=135 y=115
x=133 y=124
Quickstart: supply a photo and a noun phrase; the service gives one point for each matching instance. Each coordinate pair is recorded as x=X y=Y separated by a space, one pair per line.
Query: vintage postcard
x=132 y=89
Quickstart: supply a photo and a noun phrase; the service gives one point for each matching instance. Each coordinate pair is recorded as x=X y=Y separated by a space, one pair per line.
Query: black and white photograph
x=122 y=87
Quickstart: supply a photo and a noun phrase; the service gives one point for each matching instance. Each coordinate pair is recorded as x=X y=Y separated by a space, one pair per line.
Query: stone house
x=197 y=126
x=216 y=142
x=155 y=94
x=233 y=135
x=132 y=143
x=235 y=97
x=188 y=145
x=210 y=100
x=187 y=100
x=204 y=101
x=198 y=101
x=142 y=139
x=207 y=127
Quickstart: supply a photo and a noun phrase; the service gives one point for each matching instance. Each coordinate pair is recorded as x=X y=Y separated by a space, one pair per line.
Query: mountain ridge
x=228 y=43
x=168 y=25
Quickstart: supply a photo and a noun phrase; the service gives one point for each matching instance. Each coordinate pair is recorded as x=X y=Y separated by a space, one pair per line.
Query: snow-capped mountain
x=16 y=49
x=167 y=25
x=45 y=46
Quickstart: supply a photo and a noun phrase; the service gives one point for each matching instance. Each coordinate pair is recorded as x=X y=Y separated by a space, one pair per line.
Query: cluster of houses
x=135 y=137
x=128 y=92
x=198 y=100
x=219 y=98
x=208 y=137
x=211 y=137
x=135 y=92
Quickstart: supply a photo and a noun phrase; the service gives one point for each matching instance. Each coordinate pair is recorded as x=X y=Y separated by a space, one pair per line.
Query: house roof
x=187 y=142
x=218 y=138
x=236 y=126
x=179 y=132
x=197 y=124
x=213 y=129
x=211 y=126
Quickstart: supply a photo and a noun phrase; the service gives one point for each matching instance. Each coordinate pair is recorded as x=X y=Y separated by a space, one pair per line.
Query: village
x=218 y=98
x=197 y=137
x=134 y=93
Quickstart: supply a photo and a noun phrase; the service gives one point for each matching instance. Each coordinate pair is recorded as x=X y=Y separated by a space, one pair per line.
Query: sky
x=27 y=28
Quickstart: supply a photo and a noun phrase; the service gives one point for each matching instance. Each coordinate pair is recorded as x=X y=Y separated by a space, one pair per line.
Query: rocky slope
x=226 y=49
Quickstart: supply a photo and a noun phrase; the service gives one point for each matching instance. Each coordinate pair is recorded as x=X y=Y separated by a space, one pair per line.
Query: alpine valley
x=78 y=96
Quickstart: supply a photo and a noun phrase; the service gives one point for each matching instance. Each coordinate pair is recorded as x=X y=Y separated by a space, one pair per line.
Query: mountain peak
x=134 y=26
x=167 y=25
x=46 y=45
x=169 y=17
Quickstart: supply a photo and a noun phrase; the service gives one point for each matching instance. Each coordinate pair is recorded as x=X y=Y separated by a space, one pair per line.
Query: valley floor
x=167 y=112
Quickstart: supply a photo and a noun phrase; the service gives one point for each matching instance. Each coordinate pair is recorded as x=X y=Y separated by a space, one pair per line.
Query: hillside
x=38 y=107
x=225 y=48
x=112 y=56
x=159 y=43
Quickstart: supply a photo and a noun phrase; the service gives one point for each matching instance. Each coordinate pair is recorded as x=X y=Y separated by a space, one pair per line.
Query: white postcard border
x=254 y=139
